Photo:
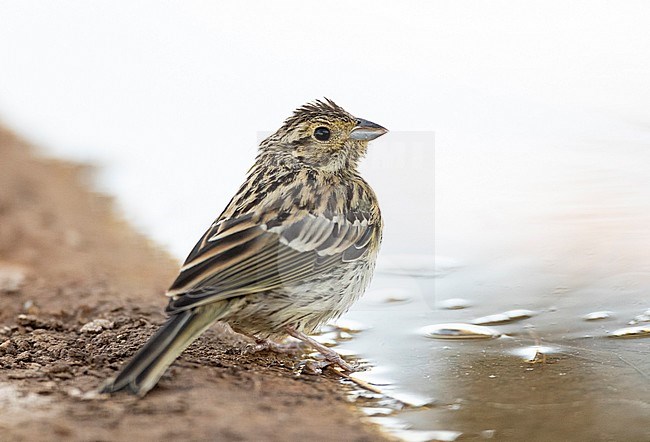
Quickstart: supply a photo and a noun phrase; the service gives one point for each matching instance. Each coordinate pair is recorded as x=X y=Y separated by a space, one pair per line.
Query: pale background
x=169 y=98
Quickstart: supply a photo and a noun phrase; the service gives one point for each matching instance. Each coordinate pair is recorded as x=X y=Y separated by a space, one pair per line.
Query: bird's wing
x=240 y=256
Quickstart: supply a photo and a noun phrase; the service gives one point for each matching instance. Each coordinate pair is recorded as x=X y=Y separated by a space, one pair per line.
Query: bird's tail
x=142 y=373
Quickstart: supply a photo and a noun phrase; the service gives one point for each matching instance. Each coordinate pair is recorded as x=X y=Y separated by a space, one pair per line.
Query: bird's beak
x=367 y=130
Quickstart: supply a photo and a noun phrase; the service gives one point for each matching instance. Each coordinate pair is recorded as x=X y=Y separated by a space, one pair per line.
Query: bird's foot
x=285 y=348
x=329 y=354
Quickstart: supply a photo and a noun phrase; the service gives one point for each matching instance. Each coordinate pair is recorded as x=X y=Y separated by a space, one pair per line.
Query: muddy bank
x=80 y=291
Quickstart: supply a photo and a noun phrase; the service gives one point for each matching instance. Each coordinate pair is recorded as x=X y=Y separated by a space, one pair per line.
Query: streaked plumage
x=294 y=248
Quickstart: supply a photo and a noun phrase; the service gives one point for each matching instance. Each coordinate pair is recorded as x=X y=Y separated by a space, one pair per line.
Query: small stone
x=24 y=356
x=33 y=322
x=75 y=392
x=312 y=368
x=78 y=394
x=96 y=326
x=7 y=348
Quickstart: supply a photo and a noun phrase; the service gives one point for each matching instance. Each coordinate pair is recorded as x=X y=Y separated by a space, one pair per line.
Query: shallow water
x=554 y=376
x=537 y=327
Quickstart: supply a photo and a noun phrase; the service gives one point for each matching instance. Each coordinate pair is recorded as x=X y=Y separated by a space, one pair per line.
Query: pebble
x=96 y=326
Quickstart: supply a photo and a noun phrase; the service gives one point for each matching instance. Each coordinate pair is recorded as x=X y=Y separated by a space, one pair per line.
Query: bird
x=293 y=249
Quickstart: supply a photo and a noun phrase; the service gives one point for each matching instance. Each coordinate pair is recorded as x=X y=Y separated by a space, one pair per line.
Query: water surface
x=557 y=263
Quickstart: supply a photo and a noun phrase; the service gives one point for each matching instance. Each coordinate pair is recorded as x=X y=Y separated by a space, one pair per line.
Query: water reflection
x=554 y=250
x=554 y=374
x=567 y=398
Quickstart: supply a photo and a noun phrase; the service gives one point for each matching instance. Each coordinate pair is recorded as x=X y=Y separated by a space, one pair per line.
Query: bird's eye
x=322 y=133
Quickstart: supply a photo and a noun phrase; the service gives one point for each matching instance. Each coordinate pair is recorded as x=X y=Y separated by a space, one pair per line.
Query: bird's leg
x=329 y=354
x=268 y=344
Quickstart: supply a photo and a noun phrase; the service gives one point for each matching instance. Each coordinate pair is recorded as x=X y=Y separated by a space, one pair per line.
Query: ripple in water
x=413 y=400
x=640 y=331
x=349 y=325
x=454 y=304
x=501 y=318
x=389 y=296
x=644 y=317
x=595 y=316
x=459 y=330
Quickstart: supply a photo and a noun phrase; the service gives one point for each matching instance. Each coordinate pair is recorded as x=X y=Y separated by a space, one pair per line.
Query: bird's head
x=322 y=135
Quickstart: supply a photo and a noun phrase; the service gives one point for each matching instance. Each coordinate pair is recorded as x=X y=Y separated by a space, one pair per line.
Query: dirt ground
x=67 y=263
